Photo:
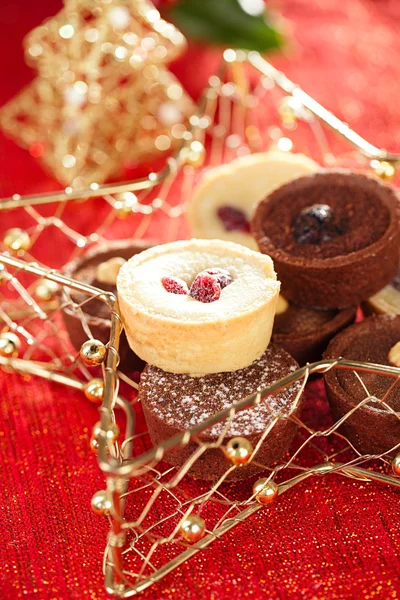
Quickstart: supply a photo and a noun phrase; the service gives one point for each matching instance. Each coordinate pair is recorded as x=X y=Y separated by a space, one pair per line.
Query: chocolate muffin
x=172 y=403
x=334 y=237
x=386 y=301
x=305 y=332
x=372 y=428
x=88 y=269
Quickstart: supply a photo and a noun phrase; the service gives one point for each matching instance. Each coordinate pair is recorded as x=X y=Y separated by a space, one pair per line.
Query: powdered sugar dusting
x=183 y=401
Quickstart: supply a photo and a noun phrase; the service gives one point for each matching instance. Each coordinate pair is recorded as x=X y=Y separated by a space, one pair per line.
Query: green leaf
x=225 y=22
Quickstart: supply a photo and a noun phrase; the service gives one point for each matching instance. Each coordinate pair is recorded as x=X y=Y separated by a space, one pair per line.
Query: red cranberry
x=221 y=275
x=174 y=285
x=233 y=219
x=205 y=288
x=315 y=225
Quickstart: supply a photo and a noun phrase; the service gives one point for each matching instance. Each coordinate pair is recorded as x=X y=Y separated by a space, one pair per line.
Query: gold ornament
x=100 y=503
x=103 y=95
x=193 y=528
x=94 y=445
x=45 y=289
x=107 y=272
x=265 y=491
x=17 y=240
x=9 y=344
x=287 y=110
x=383 y=169
x=196 y=154
x=3 y=273
x=396 y=465
x=93 y=352
x=125 y=204
x=94 y=390
x=239 y=450
x=112 y=433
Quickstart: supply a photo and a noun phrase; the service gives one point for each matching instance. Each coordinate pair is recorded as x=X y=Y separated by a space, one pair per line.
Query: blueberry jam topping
x=233 y=219
x=221 y=275
x=316 y=224
x=174 y=285
x=205 y=288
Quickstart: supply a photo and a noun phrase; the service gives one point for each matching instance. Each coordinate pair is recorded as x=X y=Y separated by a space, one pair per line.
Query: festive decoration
x=94 y=390
x=265 y=491
x=103 y=95
x=45 y=289
x=239 y=450
x=100 y=503
x=17 y=240
x=111 y=434
x=93 y=352
x=9 y=344
x=383 y=169
x=396 y=465
x=193 y=528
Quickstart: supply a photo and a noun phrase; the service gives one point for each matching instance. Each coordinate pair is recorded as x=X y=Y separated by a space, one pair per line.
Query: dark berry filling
x=316 y=224
x=205 y=288
x=221 y=275
x=174 y=285
x=233 y=219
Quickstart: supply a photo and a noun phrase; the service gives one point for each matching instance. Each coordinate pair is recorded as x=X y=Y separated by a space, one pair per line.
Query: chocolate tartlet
x=85 y=269
x=334 y=237
x=305 y=332
x=386 y=301
x=172 y=403
x=372 y=429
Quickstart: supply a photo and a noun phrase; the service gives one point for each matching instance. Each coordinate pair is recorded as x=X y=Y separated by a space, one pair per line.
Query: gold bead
x=17 y=240
x=94 y=390
x=45 y=289
x=10 y=344
x=112 y=434
x=239 y=450
x=287 y=111
x=396 y=465
x=100 y=503
x=93 y=352
x=124 y=205
x=196 y=154
x=193 y=528
x=265 y=491
x=94 y=445
x=383 y=169
x=3 y=273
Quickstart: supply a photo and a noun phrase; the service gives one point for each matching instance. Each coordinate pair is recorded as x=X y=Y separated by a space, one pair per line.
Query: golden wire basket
x=159 y=517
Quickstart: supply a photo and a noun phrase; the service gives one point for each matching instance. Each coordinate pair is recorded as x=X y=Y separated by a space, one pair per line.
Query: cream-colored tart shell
x=182 y=335
x=242 y=184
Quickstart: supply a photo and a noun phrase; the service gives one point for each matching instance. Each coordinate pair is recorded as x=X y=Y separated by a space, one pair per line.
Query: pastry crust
x=182 y=335
x=241 y=185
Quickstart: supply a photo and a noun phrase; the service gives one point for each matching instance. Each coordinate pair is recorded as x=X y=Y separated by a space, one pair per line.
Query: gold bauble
x=396 y=465
x=383 y=169
x=193 y=528
x=239 y=450
x=125 y=204
x=17 y=240
x=94 y=445
x=9 y=344
x=196 y=154
x=265 y=491
x=287 y=111
x=93 y=352
x=112 y=433
x=100 y=503
x=45 y=289
x=3 y=273
x=94 y=390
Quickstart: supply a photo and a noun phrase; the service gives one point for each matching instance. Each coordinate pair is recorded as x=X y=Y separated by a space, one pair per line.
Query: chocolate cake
x=84 y=269
x=305 y=332
x=334 y=237
x=172 y=403
x=372 y=429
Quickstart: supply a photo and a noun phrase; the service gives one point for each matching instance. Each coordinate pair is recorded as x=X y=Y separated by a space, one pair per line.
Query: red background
x=328 y=538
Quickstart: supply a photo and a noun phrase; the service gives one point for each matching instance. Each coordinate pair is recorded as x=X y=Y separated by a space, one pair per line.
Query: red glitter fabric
x=328 y=538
